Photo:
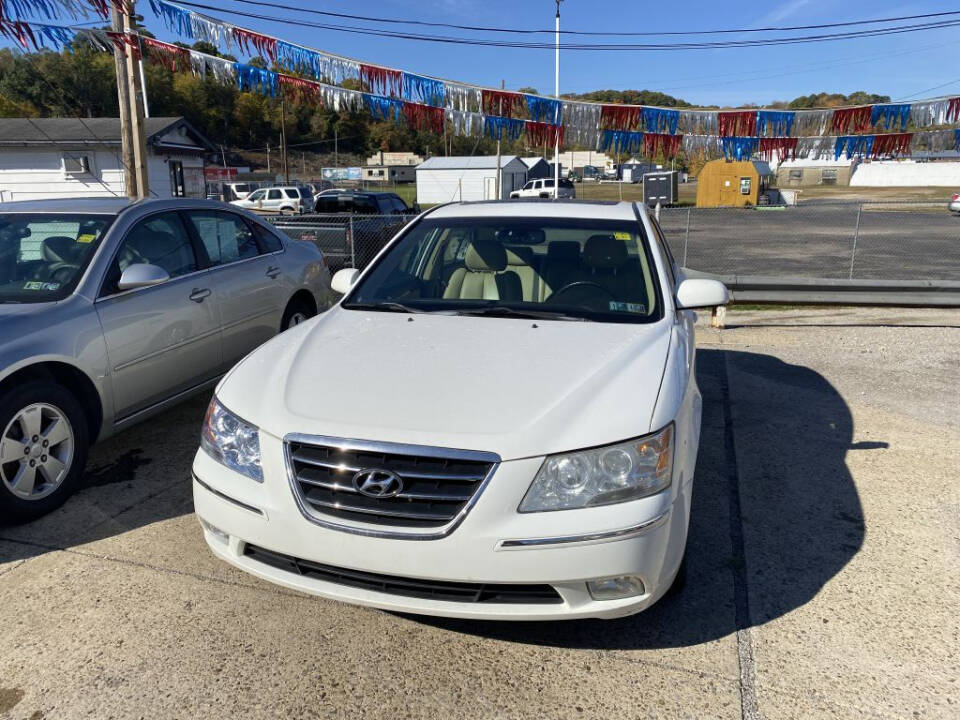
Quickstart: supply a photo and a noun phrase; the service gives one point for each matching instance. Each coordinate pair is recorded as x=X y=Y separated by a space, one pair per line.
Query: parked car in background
x=284 y=200
x=111 y=310
x=954 y=204
x=543 y=188
x=352 y=225
x=500 y=420
x=238 y=190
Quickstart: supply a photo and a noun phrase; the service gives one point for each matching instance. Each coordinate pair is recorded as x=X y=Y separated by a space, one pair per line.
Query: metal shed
x=537 y=167
x=732 y=184
x=451 y=179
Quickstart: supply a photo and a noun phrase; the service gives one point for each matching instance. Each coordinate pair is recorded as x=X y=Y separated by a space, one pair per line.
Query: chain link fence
x=345 y=240
x=848 y=241
x=867 y=241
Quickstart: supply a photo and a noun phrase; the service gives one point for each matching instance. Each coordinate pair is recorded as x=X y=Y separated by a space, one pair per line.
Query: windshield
x=552 y=268
x=42 y=257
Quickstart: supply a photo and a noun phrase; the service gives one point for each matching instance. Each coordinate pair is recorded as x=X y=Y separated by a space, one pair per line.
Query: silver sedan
x=112 y=310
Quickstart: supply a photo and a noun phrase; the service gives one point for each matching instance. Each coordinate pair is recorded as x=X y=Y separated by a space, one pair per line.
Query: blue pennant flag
x=256 y=79
x=497 y=127
x=658 y=120
x=175 y=18
x=891 y=116
x=544 y=110
x=383 y=108
x=298 y=59
x=426 y=91
x=739 y=148
x=780 y=122
x=621 y=141
x=853 y=146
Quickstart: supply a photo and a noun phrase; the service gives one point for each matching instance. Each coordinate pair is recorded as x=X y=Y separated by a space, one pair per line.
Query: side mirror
x=141 y=275
x=701 y=293
x=344 y=279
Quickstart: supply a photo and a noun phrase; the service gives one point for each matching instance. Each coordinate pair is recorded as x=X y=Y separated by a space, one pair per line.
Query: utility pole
x=136 y=105
x=556 y=146
x=336 y=151
x=268 y=156
x=499 y=174
x=303 y=164
x=223 y=156
x=123 y=98
x=283 y=141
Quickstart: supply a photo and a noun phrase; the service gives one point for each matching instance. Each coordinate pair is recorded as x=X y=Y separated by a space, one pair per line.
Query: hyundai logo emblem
x=378 y=483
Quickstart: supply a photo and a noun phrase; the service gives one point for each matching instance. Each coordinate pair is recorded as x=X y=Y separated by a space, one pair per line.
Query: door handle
x=273 y=272
x=199 y=294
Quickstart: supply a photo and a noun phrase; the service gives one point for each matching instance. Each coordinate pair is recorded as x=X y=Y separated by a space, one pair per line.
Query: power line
x=766 y=42
x=649 y=33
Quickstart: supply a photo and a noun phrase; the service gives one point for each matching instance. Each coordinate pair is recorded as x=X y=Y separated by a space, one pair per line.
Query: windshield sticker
x=622 y=235
x=628 y=307
x=86 y=238
x=35 y=285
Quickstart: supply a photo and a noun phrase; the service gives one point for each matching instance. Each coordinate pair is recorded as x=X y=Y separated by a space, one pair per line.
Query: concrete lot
x=824 y=576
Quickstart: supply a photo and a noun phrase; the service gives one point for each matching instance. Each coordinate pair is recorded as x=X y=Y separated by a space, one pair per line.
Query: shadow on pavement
x=786 y=496
x=145 y=469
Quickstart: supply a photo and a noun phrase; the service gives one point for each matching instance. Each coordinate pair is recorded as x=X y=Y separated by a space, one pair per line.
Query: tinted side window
x=268 y=241
x=665 y=253
x=225 y=237
x=274 y=195
x=160 y=240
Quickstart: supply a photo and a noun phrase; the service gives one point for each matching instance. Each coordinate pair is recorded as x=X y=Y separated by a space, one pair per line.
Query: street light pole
x=557 y=120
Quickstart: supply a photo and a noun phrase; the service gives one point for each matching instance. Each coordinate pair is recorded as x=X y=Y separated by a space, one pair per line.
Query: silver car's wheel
x=36 y=450
x=297 y=318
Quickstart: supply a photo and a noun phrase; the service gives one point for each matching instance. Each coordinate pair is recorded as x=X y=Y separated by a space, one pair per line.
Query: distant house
x=807 y=172
x=383 y=157
x=537 y=167
x=450 y=179
x=81 y=157
x=389 y=173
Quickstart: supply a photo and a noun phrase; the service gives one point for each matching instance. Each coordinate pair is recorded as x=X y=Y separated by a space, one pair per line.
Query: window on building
x=177 y=186
x=796 y=174
x=76 y=164
x=829 y=176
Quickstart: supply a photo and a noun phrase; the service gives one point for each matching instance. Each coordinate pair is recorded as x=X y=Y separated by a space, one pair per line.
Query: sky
x=906 y=66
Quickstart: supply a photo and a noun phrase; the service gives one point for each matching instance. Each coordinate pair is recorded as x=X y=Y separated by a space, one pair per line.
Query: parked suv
x=111 y=310
x=283 y=200
x=543 y=188
x=500 y=420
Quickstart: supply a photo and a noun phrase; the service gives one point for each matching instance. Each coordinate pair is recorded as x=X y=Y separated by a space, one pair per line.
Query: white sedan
x=499 y=420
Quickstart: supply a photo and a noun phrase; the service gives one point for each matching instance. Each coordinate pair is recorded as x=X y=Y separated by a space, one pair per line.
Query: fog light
x=616 y=588
x=216 y=532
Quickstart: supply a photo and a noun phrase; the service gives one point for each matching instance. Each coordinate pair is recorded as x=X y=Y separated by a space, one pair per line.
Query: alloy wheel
x=36 y=450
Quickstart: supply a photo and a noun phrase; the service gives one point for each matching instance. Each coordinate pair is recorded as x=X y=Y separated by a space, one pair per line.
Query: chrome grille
x=438 y=484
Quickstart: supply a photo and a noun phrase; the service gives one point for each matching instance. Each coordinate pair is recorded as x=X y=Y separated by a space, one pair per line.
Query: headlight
x=231 y=441
x=602 y=476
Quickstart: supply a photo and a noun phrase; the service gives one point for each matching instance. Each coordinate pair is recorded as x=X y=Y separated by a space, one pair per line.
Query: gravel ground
x=824 y=567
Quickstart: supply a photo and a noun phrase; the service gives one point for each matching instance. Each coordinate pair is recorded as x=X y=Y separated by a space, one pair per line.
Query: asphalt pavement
x=824 y=570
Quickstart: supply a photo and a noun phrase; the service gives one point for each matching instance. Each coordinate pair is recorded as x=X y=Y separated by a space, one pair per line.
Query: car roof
x=102 y=206
x=541 y=208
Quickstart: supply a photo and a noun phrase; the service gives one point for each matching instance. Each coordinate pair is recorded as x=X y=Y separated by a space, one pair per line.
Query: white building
x=389 y=173
x=394 y=158
x=451 y=179
x=44 y=158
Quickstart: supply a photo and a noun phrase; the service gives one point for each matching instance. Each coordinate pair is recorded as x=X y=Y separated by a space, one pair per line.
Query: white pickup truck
x=543 y=188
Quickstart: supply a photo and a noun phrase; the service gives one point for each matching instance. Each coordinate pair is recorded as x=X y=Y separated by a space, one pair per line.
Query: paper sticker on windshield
x=86 y=238
x=622 y=235
x=36 y=285
x=628 y=307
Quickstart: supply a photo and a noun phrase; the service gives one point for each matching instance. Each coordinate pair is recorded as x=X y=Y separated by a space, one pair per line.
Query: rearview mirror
x=701 y=293
x=141 y=275
x=344 y=279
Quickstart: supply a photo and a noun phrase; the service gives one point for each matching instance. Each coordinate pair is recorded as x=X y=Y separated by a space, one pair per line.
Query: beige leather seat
x=521 y=261
x=484 y=275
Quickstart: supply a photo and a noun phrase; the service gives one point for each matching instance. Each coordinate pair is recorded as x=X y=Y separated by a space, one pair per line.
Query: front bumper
x=494 y=544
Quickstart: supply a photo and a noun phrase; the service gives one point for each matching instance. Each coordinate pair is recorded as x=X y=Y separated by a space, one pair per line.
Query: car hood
x=519 y=388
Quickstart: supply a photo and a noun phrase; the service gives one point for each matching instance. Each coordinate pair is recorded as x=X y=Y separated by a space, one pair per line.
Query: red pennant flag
x=741 y=123
x=173 y=57
x=857 y=118
x=656 y=144
x=501 y=103
x=620 y=117
x=544 y=134
x=785 y=147
x=381 y=81
x=261 y=44
x=303 y=90
x=891 y=144
x=425 y=118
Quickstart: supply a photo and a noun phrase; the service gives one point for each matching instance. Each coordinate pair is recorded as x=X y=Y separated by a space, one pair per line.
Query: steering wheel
x=64 y=269
x=581 y=284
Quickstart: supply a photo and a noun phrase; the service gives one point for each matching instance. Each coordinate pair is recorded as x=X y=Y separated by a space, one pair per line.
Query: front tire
x=298 y=311
x=43 y=449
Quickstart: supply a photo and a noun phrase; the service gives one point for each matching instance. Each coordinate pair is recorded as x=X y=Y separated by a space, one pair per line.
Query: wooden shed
x=722 y=183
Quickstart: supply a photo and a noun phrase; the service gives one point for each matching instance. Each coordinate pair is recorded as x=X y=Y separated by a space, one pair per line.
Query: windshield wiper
x=384 y=306
x=503 y=311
